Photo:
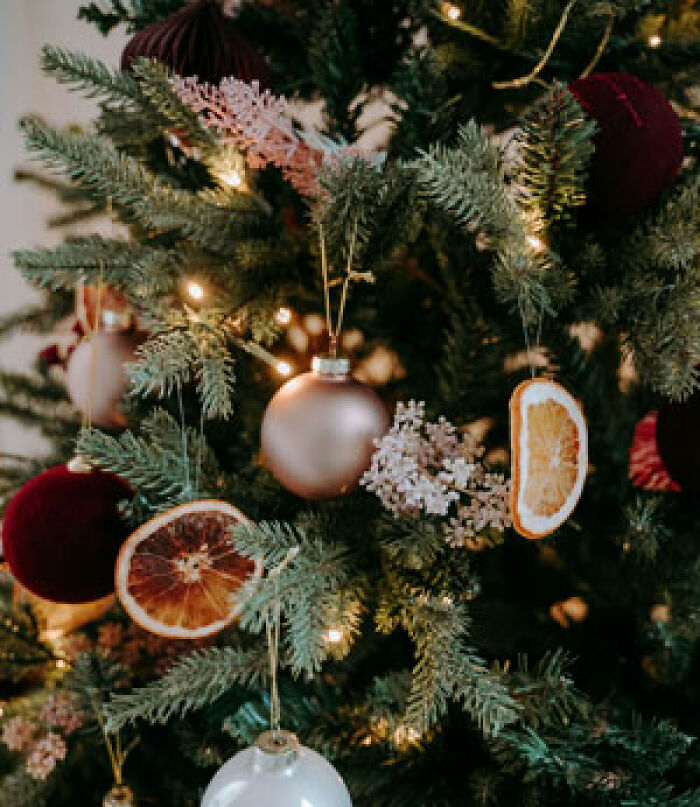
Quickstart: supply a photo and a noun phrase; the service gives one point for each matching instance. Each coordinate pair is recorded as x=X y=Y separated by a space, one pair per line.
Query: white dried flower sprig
x=428 y=467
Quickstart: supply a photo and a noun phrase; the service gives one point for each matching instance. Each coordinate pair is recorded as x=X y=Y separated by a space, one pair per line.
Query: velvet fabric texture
x=198 y=40
x=678 y=439
x=62 y=532
x=638 y=145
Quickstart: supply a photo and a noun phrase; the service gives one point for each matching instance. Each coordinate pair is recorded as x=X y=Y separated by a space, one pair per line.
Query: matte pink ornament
x=96 y=377
x=319 y=430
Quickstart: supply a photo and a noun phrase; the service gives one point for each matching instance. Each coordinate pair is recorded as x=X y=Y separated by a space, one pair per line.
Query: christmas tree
x=493 y=220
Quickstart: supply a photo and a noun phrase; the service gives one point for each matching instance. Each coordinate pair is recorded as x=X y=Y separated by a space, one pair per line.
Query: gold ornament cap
x=119 y=796
x=276 y=750
x=331 y=365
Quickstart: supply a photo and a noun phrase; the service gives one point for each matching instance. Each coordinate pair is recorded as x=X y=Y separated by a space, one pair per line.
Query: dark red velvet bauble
x=638 y=145
x=678 y=440
x=62 y=532
x=198 y=40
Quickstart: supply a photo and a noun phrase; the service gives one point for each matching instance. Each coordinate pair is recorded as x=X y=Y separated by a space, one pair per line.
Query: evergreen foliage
x=402 y=658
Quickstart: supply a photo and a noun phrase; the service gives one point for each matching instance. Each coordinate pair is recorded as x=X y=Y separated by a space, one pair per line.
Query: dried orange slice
x=179 y=575
x=549 y=456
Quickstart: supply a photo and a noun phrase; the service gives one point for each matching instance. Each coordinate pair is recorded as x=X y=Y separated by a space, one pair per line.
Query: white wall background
x=25 y=25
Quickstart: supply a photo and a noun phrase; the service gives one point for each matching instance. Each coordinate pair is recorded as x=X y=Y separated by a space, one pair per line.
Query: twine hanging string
x=272 y=628
x=334 y=331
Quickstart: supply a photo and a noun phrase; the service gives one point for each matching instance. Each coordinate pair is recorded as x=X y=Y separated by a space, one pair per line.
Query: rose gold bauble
x=96 y=377
x=319 y=429
x=119 y=796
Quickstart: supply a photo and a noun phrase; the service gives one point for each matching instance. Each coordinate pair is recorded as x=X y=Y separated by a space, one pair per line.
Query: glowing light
x=366 y=740
x=654 y=41
x=61 y=664
x=232 y=178
x=283 y=316
x=334 y=635
x=195 y=290
x=283 y=367
x=406 y=734
x=534 y=242
x=452 y=11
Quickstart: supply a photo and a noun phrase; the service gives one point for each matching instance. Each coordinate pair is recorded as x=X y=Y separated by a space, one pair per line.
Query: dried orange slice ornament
x=549 y=456
x=180 y=576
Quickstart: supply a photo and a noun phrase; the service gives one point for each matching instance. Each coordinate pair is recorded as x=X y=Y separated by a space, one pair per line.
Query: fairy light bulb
x=283 y=316
x=195 y=291
x=452 y=12
x=535 y=242
x=334 y=635
x=232 y=178
x=654 y=41
x=283 y=367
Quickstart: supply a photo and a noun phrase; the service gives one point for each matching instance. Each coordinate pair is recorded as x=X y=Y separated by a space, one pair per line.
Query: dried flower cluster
x=44 y=754
x=423 y=467
x=260 y=124
x=62 y=711
x=42 y=748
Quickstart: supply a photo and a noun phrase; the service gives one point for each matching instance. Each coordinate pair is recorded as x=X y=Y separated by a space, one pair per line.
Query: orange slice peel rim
x=129 y=550
x=527 y=395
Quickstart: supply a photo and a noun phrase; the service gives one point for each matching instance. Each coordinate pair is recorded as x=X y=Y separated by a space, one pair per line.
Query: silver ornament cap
x=277 y=772
x=319 y=430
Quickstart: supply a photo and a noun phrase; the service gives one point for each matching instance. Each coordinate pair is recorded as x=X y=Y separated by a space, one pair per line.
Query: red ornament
x=638 y=145
x=198 y=40
x=62 y=532
x=647 y=470
x=678 y=438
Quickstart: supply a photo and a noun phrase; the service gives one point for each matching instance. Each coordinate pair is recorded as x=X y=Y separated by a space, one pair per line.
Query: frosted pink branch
x=259 y=124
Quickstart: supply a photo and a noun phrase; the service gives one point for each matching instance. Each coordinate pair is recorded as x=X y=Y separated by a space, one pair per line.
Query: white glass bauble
x=277 y=772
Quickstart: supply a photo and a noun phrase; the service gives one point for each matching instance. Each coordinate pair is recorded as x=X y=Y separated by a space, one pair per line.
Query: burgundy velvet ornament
x=678 y=439
x=646 y=468
x=638 y=145
x=198 y=40
x=62 y=532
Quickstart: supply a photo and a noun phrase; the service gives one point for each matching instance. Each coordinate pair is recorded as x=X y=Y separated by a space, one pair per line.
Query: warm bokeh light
x=283 y=316
x=452 y=11
x=534 y=242
x=232 y=178
x=334 y=635
x=283 y=367
x=655 y=41
x=195 y=290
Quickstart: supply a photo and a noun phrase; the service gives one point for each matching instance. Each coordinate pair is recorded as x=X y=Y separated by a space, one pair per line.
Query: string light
x=195 y=290
x=654 y=41
x=535 y=243
x=452 y=11
x=334 y=635
x=231 y=178
x=61 y=664
x=283 y=316
x=283 y=367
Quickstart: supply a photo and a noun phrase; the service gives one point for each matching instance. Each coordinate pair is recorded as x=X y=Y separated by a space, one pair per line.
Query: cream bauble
x=277 y=772
x=96 y=376
x=319 y=429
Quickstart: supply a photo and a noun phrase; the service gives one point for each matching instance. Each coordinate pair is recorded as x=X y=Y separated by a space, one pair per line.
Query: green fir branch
x=110 y=174
x=193 y=682
x=161 y=465
x=310 y=588
x=555 y=148
x=448 y=669
x=90 y=76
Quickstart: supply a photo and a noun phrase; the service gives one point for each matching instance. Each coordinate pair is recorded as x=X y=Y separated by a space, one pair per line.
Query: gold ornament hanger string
x=334 y=331
x=272 y=628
